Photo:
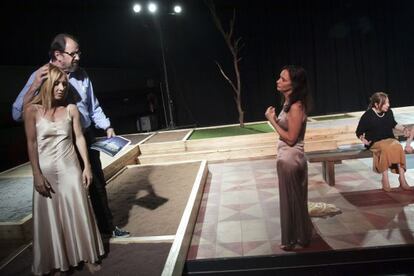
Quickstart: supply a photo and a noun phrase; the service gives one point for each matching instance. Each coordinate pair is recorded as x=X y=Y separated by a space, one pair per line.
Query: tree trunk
x=241 y=113
x=234 y=47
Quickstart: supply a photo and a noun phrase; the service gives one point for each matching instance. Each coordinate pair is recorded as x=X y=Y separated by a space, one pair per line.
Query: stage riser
x=114 y=165
x=369 y=261
x=210 y=155
x=20 y=231
x=270 y=149
x=246 y=146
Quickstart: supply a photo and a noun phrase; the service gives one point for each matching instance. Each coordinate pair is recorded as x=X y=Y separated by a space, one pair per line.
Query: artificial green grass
x=333 y=117
x=230 y=131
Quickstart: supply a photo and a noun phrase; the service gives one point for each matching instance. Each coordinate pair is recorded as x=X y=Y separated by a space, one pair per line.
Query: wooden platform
x=16 y=227
x=158 y=204
x=167 y=148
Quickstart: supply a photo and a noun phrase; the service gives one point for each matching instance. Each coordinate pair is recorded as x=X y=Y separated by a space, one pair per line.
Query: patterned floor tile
x=229 y=232
x=254 y=230
x=229 y=249
x=239 y=213
x=256 y=248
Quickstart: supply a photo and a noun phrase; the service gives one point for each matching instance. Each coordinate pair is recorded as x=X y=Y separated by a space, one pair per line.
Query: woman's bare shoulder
x=72 y=107
x=297 y=106
x=32 y=108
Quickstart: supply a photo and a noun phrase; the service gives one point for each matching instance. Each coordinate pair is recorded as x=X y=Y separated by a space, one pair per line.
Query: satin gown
x=64 y=227
x=292 y=172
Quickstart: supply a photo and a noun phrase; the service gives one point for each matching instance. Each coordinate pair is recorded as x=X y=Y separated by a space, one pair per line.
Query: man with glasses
x=65 y=54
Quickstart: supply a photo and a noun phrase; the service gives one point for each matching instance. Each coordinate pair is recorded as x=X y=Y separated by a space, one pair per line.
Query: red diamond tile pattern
x=239 y=213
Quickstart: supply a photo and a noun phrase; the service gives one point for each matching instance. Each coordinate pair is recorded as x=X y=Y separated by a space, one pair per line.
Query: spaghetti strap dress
x=292 y=172
x=64 y=227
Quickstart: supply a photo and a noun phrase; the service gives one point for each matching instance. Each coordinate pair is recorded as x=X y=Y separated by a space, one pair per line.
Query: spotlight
x=152 y=7
x=137 y=8
x=177 y=9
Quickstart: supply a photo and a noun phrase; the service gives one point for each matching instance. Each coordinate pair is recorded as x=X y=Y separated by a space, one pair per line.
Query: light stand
x=152 y=8
x=167 y=87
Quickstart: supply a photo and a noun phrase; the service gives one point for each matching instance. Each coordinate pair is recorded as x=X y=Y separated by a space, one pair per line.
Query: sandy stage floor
x=149 y=200
x=167 y=137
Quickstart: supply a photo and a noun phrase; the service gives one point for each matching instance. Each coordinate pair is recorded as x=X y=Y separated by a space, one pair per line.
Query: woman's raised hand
x=270 y=113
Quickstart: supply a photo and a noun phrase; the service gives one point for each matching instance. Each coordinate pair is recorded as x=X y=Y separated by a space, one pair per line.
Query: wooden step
x=231 y=153
x=210 y=155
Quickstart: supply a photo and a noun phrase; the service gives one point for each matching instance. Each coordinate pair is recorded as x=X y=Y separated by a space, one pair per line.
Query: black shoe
x=119 y=233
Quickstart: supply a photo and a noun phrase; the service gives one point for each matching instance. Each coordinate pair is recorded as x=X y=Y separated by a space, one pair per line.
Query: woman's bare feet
x=403 y=184
x=386 y=185
x=93 y=268
x=288 y=247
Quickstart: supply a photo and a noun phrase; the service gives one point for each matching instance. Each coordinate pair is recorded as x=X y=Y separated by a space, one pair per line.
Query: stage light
x=177 y=9
x=152 y=7
x=137 y=8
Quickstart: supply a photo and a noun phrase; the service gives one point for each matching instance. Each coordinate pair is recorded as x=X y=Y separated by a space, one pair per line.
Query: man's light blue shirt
x=88 y=104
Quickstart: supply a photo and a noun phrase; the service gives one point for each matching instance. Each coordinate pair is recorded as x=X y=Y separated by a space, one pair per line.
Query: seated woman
x=375 y=129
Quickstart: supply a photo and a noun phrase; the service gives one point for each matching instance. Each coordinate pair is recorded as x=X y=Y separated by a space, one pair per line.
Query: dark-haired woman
x=375 y=129
x=292 y=168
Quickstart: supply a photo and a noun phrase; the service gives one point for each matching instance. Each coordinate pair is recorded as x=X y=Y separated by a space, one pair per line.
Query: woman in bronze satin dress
x=64 y=227
x=292 y=168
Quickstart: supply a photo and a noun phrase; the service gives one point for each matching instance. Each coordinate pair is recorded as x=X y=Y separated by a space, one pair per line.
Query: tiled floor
x=239 y=213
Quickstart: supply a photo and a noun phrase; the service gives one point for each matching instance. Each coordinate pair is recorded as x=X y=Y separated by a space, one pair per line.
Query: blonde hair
x=45 y=96
x=377 y=98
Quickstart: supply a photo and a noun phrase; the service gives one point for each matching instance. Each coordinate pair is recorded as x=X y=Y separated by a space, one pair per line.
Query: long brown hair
x=300 y=87
x=45 y=97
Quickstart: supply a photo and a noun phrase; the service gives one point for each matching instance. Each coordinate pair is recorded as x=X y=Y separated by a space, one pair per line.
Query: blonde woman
x=64 y=227
x=375 y=129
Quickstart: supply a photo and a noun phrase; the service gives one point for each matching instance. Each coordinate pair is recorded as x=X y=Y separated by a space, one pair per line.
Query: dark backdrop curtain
x=350 y=50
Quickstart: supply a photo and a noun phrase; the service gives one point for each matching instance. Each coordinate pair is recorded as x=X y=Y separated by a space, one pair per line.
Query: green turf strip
x=333 y=117
x=230 y=131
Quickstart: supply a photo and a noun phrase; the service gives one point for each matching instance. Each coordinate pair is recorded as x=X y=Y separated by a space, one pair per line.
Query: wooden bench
x=331 y=157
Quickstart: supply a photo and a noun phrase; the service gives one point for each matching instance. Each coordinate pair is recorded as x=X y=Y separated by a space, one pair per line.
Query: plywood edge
x=167 y=163
x=188 y=135
x=177 y=256
x=170 y=146
x=146 y=139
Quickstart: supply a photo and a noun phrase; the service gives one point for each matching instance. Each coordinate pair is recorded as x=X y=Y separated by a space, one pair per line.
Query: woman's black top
x=376 y=128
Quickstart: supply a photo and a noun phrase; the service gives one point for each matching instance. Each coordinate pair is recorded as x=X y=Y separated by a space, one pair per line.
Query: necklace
x=376 y=113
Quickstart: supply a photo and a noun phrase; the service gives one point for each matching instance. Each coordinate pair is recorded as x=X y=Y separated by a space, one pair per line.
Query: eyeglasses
x=73 y=54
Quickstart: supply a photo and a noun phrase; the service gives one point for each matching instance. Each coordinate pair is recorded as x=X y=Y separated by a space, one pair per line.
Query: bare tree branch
x=226 y=77
x=234 y=46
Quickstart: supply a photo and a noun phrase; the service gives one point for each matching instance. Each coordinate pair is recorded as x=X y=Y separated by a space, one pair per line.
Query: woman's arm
x=362 y=128
x=410 y=137
x=295 y=118
x=402 y=128
x=39 y=181
x=81 y=145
